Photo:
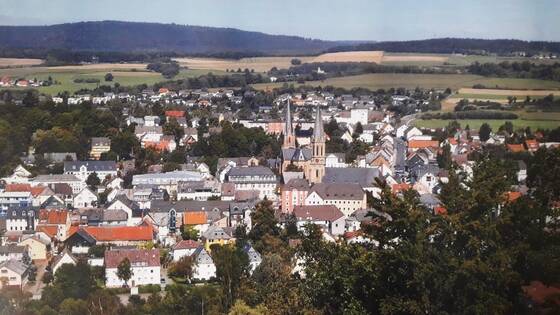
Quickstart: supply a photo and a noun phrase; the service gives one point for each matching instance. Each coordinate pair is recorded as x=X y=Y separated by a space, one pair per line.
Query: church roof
x=318 y=132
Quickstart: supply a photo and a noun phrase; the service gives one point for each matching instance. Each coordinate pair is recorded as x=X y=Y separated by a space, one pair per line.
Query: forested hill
x=458 y=45
x=131 y=36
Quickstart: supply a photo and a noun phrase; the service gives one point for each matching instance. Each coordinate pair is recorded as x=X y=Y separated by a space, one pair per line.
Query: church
x=310 y=159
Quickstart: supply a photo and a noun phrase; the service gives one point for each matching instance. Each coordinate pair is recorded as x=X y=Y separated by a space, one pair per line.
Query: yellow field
x=264 y=64
x=413 y=58
x=351 y=56
x=19 y=62
x=508 y=92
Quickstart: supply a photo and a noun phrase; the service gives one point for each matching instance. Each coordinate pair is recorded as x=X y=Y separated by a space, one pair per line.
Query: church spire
x=289 y=139
x=318 y=130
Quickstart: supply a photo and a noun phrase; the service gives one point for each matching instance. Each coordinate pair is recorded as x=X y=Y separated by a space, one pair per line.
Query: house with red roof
x=144 y=264
x=515 y=148
x=81 y=238
x=532 y=145
x=174 y=113
x=54 y=222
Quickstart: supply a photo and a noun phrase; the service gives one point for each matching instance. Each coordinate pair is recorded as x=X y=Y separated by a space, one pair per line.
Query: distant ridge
x=457 y=45
x=119 y=36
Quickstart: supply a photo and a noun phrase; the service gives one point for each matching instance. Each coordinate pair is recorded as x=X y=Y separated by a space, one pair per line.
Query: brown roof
x=187 y=244
x=516 y=147
x=348 y=191
x=50 y=230
x=61 y=189
x=139 y=257
x=541 y=293
x=322 y=213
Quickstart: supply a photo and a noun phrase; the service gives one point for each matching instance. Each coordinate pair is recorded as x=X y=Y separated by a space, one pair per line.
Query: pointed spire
x=318 y=131
x=288 y=130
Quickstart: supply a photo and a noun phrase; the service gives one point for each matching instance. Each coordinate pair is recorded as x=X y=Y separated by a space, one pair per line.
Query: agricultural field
x=376 y=81
x=124 y=74
x=494 y=123
x=19 y=62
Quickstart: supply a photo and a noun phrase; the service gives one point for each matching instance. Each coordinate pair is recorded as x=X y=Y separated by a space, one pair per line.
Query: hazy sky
x=324 y=19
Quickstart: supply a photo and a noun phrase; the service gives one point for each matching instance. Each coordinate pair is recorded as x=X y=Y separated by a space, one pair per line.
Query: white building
x=255 y=178
x=46 y=180
x=85 y=199
x=144 y=264
x=13 y=273
x=82 y=169
x=184 y=248
x=205 y=268
x=328 y=217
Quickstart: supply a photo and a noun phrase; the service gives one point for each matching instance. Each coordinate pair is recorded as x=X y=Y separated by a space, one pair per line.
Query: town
x=141 y=228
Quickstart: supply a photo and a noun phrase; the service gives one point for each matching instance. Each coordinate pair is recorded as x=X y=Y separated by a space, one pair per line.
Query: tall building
x=308 y=159
x=316 y=169
x=289 y=136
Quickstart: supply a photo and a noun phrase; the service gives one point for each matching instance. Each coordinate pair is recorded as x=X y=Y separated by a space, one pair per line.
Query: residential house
x=85 y=199
x=255 y=258
x=64 y=258
x=204 y=268
x=328 y=217
x=217 y=235
x=131 y=208
x=144 y=263
x=99 y=145
x=82 y=169
x=184 y=248
x=13 y=273
x=12 y=252
x=55 y=223
x=37 y=247
x=55 y=179
x=21 y=219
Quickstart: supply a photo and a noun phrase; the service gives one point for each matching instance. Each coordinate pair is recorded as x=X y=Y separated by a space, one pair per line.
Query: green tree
x=484 y=132
x=232 y=270
x=93 y=180
x=188 y=232
x=108 y=77
x=124 y=270
x=444 y=157
x=73 y=307
x=264 y=221
x=183 y=268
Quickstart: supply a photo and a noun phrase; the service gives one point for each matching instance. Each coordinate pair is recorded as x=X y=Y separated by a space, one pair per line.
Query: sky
x=378 y=20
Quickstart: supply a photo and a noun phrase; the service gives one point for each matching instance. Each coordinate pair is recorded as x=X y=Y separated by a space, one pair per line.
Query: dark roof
x=92 y=166
x=22 y=212
x=8 y=249
x=189 y=205
x=297 y=184
x=339 y=192
x=363 y=176
x=296 y=154
x=251 y=171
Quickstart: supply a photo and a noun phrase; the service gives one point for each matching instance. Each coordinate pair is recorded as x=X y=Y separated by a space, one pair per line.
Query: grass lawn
x=66 y=76
x=376 y=81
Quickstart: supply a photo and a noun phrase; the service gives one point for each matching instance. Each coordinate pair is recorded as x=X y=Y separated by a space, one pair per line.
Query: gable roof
x=318 y=213
x=417 y=144
x=137 y=257
x=117 y=233
x=186 y=244
x=53 y=216
x=330 y=191
x=195 y=217
x=363 y=176
x=15 y=266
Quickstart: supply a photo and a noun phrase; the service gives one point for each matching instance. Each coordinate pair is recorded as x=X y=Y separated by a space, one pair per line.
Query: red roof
x=513 y=195
x=516 y=147
x=18 y=187
x=187 y=244
x=540 y=293
x=175 y=113
x=418 y=144
x=50 y=230
x=143 y=257
x=163 y=90
x=440 y=210
x=118 y=233
x=400 y=187
x=532 y=145
x=53 y=216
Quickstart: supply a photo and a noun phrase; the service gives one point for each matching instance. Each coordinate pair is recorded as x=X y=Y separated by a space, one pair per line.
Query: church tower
x=316 y=169
x=289 y=137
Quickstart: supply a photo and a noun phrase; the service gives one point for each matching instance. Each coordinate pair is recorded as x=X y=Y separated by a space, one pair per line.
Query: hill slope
x=457 y=45
x=131 y=36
